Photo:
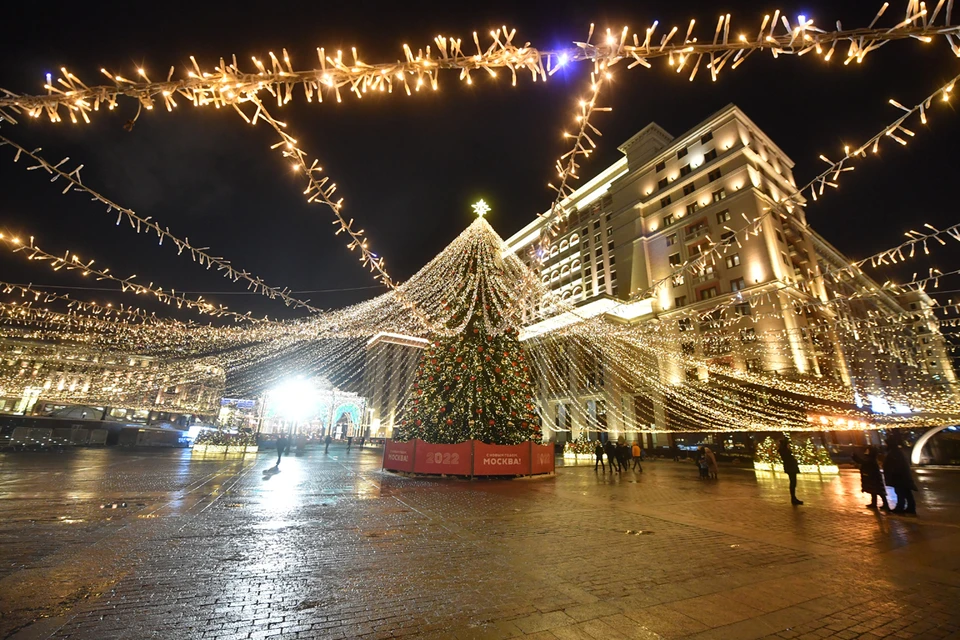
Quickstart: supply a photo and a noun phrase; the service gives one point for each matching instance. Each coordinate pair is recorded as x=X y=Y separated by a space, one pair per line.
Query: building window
x=596 y=238
x=596 y=224
x=660 y=166
x=723 y=216
x=779 y=235
x=671 y=239
x=707 y=137
x=685 y=324
x=710 y=155
x=709 y=292
x=733 y=261
x=598 y=252
x=719 y=195
x=574 y=238
x=693 y=208
x=609 y=231
x=681 y=301
x=714 y=175
x=661 y=183
x=685 y=170
x=688 y=189
x=726 y=235
x=664 y=201
x=738 y=284
x=681 y=153
x=608 y=216
x=674 y=260
x=784 y=256
x=610 y=246
x=668 y=220
x=743 y=309
x=613 y=259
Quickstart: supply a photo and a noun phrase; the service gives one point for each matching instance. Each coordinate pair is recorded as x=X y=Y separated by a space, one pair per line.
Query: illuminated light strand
x=148 y=225
x=38 y=295
x=72 y=262
x=357 y=77
x=828 y=177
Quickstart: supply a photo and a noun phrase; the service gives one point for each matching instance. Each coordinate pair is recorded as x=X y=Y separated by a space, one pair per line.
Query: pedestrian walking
x=598 y=451
x=711 y=459
x=349 y=442
x=637 y=453
x=871 y=477
x=790 y=467
x=623 y=455
x=362 y=440
x=326 y=443
x=282 y=444
x=702 y=464
x=611 y=452
x=896 y=471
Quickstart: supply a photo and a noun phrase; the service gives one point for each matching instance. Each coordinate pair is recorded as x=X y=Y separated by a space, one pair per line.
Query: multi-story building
x=664 y=203
x=391 y=360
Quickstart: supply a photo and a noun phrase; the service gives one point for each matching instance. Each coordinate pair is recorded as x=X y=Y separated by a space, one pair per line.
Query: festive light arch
x=338 y=335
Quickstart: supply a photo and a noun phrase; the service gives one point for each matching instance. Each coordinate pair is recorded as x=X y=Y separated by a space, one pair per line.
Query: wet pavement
x=162 y=544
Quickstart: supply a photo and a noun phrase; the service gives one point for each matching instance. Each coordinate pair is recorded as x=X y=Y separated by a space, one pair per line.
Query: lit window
x=709 y=292
x=574 y=239
x=668 y=220
x=671 y=239
x=738 y=284
x=575 y=265
x=693 y=208
x=743 y=309
x=723 y=216
x=564 y=245
x=733 y=261
x=719 y=195
x=681 y=301
x=675 y=260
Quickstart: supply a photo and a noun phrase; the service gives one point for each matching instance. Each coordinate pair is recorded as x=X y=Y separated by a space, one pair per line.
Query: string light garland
x=148 y=225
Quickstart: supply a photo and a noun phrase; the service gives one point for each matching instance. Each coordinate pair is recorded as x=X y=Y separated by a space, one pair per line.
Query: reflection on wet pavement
x=331 y=546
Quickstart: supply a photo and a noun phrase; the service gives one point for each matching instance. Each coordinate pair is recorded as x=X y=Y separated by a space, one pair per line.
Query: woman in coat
x=712 y=467
x=790 y=467
x=871 y=478
x=896 y=471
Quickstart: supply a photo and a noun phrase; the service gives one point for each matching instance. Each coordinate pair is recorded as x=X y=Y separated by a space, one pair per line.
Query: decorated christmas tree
x=474 y=384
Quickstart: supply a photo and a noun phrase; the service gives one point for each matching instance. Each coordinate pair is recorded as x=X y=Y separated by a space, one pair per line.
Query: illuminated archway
x=918 y=447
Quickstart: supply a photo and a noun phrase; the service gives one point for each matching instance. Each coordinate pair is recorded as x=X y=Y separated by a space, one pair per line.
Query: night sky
x=409 y=167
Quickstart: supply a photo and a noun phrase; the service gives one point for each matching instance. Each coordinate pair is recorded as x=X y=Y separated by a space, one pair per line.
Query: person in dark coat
x=871 y=478
x=326 y=443
x=282 y=444
x=896 y=471
x=611 y=452
x=598 y=451
x=623 y=456
x=790 y=467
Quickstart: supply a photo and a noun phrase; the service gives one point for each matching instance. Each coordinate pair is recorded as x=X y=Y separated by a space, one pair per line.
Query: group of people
x=893 y=471
x=707 y=463
x=618 y=455
x=875 y=475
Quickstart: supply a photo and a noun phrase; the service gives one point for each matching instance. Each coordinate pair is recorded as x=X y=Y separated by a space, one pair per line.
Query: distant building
x=391 y=361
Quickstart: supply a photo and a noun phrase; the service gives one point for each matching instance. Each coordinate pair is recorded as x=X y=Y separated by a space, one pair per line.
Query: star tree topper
x=481 y=208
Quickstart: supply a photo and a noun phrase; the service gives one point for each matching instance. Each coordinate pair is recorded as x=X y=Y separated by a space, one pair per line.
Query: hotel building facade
x=663 y=203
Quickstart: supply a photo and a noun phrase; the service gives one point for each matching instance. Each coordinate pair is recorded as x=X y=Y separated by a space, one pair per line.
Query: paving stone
x=332 y=547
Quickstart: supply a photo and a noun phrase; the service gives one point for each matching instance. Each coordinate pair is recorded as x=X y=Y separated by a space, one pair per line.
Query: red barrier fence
x=469 y=458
